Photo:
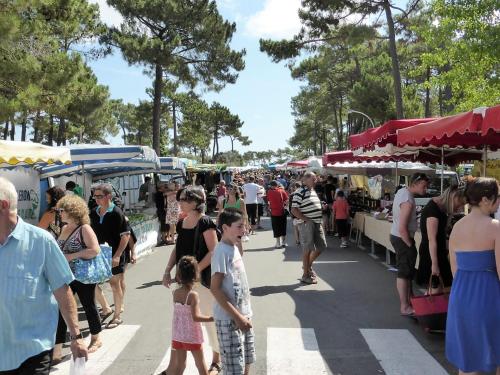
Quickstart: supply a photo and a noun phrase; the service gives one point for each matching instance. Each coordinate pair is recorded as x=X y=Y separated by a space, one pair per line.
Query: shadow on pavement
x=262 y=291
x=363 y=296
x=259 y=249
x=150 y=284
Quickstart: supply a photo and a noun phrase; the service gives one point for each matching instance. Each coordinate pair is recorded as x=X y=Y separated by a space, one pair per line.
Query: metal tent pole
x=442 y=169
x=485 y=159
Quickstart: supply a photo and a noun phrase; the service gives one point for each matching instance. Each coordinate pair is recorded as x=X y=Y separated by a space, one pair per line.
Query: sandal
x=114 y=323
x=105 y=316
x=215 y=367
x=94 y=346
x=308 y=280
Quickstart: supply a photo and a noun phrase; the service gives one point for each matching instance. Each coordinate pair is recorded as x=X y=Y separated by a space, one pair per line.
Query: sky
x=261 y=95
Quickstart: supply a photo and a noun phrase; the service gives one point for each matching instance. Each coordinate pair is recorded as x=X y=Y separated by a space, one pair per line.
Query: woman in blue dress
x=473 y=324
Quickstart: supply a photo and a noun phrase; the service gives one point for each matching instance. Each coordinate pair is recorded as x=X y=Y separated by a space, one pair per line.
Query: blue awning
x=106 y=160
x=172 y=165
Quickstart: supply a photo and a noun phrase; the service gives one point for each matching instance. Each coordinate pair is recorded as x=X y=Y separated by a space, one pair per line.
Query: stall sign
x=147 y=236
x=27 y=183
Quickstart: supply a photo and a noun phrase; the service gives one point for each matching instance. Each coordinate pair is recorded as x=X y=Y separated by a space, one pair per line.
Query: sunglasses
x=99 y=196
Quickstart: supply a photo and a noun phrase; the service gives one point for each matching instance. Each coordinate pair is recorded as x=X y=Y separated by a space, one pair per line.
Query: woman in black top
x=435 y=226
x=196 y=236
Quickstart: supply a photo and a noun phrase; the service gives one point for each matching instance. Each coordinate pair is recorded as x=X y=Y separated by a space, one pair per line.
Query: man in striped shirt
x=306 y=207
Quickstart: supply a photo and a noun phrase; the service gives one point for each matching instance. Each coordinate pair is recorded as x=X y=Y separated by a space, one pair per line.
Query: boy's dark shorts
x=406 y=258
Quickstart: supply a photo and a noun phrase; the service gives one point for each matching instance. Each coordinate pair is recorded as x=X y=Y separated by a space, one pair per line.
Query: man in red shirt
x=277 y=199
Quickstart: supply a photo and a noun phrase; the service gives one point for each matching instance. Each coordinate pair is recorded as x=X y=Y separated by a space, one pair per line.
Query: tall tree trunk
x=428 y=93
x=232 y=144
x=124 y=134
x=215 y=140
x=36 y=126
x=50 y=140
x=341 y=125
x=203 y=156
x=440 y=101
x=12 y=130
x=158 y=86
x=315 y=139
x=6 y=130
x=396 y=74
x=174 y=121
x=23 y=127
x=61 y=133
x=323 y=137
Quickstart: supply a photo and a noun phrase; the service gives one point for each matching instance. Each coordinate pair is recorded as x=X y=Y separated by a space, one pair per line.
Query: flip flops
x=114 y=323
x=215 y=367
x=308 y=280
x=105 y=316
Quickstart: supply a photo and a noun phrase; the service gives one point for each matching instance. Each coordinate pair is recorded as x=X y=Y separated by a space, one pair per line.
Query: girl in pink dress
x=186 y=323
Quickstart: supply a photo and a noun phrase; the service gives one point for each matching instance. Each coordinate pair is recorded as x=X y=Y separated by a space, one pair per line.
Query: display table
x=146 y=229
x=379 y=231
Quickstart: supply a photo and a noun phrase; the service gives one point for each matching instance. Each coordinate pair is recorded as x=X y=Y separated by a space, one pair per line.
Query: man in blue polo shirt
x=33 y=271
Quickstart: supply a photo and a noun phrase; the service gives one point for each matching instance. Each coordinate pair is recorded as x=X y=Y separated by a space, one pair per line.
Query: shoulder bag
x=96 y=270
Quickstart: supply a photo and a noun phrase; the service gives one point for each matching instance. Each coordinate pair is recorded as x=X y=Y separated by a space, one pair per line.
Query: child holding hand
x=187 y=335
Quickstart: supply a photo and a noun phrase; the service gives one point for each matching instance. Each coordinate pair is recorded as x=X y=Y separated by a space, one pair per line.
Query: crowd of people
x=463 y=254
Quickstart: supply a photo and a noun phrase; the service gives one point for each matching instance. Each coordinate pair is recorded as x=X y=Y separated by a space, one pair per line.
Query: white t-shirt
x=260 y=195
x=227 y=260
x=251 y=192
x=403 y=195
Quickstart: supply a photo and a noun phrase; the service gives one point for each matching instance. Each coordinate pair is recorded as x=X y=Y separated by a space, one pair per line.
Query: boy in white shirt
x=229 y=285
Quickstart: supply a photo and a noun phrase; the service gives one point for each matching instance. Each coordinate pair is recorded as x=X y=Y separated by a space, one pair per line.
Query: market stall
x=172 y=166
x=477 y=129
x=20 y=163
x=116 y=165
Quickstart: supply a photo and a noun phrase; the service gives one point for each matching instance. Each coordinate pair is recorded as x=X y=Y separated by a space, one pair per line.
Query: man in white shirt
x=403 y=228
x=251 y=190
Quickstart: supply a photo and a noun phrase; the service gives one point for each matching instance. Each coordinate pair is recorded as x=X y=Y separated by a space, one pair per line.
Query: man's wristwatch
x=76 y=337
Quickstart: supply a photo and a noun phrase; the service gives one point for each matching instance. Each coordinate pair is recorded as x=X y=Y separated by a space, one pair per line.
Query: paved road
x=347 y=324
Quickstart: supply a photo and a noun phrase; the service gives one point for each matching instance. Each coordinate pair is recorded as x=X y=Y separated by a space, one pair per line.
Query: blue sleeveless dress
x=473 y=323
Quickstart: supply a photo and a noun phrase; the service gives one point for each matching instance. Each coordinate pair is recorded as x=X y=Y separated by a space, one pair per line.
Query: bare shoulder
x=193 y=297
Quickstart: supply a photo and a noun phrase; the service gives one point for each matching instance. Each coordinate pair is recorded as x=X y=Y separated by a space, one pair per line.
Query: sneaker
x=343 y=244
x=277 y=245
x=245 y=238
x=284 y=245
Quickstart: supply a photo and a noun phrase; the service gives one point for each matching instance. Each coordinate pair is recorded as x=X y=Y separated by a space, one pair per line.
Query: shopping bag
x=431 y=309
x=96 y=270
x=77 y=366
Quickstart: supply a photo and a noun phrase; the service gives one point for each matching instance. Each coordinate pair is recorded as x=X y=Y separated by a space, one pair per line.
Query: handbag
x=431 y=310
x=96 y=270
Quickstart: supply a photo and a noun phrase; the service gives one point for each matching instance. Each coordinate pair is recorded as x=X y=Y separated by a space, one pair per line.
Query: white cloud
x=109 y=15
x=278 y=19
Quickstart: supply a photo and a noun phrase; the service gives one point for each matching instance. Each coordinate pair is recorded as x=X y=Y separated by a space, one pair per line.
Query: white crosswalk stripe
x=113 y=343
x=190 y=366
x=399 y=353
x=293 y=351
x=290 y=351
